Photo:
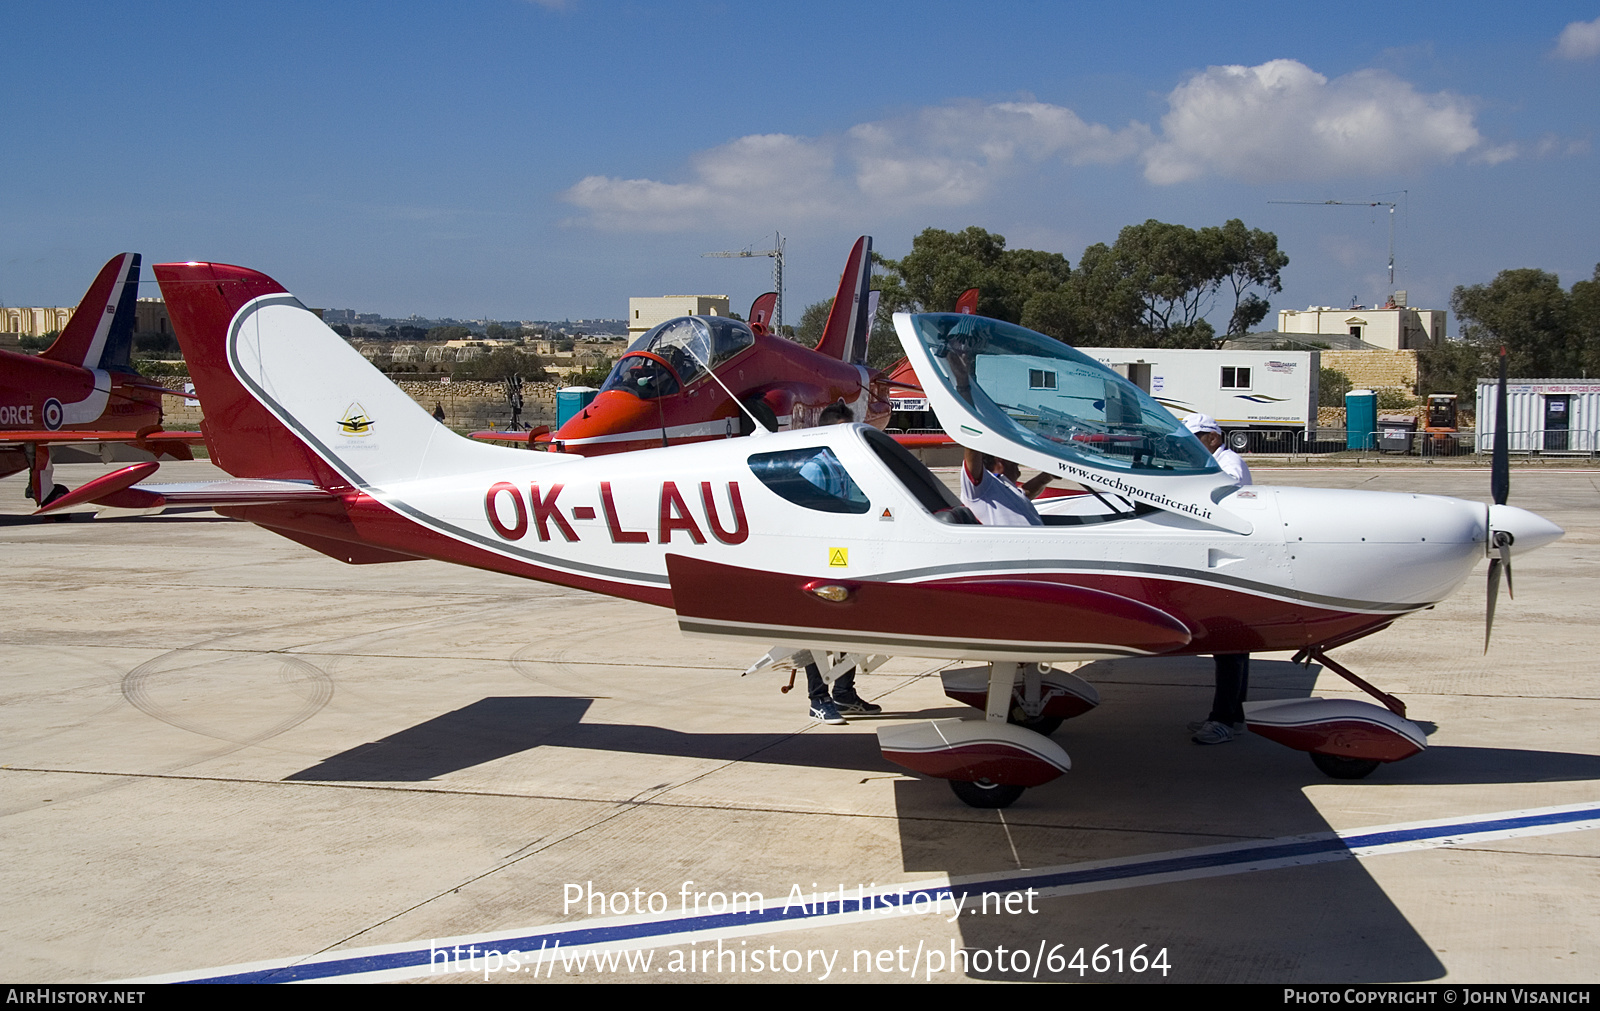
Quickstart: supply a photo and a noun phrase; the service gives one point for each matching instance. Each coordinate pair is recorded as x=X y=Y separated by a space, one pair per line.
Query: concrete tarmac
x=222 y=748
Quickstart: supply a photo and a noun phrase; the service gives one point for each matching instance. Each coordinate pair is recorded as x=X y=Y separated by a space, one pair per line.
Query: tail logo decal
x=54 y=414
x=355 y=422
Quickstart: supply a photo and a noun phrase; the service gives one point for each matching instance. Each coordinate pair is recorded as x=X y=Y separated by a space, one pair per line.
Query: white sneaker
x=1212 y=732
x=1196 y=725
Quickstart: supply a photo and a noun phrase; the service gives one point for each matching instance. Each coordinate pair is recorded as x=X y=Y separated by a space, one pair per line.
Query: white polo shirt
x=997 y=502
x=1233 y=465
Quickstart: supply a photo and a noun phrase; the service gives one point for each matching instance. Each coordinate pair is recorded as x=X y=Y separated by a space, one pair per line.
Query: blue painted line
x=1315 y=849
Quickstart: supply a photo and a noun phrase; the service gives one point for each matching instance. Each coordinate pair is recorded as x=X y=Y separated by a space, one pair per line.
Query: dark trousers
x=818 y=689
x=1233 y=682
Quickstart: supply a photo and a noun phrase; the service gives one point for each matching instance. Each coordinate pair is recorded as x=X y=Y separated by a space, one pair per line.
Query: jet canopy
x=1038 y=392
x=675 y=353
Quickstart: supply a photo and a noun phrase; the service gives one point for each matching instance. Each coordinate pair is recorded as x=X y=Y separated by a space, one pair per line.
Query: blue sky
x=513 y=159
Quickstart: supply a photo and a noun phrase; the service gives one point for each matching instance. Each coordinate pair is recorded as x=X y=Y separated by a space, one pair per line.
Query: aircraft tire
x=1045 y=725
x=985 y=794
x=1344 y=768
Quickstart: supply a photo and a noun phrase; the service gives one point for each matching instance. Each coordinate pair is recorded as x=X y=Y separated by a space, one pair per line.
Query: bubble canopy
x=1041 y=393
x=673 y=354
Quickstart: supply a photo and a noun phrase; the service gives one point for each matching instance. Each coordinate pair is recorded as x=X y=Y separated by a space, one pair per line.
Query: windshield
x=687 y=345
x=1037 y=391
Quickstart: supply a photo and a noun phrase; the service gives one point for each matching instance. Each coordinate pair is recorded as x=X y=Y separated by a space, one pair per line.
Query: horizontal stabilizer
x=236 y=492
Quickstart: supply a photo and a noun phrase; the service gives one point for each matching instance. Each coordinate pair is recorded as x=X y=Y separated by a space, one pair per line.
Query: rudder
x=286 y=398
x=100 y=333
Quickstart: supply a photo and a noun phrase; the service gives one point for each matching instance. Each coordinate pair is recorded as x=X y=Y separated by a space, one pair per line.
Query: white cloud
x=1283 y=120
x=1280 y=120
x=1579 y=41
x=941 y=156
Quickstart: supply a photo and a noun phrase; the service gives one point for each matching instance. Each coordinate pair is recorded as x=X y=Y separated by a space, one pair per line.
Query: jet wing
x=529 y=438
x=67 y=438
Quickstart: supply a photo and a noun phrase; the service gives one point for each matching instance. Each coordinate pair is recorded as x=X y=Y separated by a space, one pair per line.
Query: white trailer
x=1244 y=390
x=1542 y=415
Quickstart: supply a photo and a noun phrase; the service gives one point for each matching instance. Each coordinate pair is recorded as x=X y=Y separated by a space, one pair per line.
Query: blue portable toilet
x=571 y=400
x=1361 y=419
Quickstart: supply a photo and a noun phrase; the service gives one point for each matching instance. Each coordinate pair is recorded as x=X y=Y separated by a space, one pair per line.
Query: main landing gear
x=989 y=762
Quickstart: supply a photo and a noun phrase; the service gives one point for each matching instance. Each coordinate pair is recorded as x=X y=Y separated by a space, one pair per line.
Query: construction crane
x=1358 y=203
x=777 y=272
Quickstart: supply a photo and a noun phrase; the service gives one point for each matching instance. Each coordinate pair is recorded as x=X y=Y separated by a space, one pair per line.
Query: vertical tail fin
x=100 y=333
x=849 y=322
x=286 y=398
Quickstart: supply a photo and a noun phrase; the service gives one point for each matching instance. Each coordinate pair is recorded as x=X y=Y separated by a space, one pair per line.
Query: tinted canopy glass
x=1039 y=392
x=675 y=353
x=813 y=478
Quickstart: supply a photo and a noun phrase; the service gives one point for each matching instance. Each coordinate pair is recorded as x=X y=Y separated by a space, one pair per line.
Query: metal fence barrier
x=1556 y=441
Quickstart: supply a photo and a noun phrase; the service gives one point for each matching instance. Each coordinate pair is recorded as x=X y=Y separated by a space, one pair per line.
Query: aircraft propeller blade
x=1494 y=592
x=1502 y=540
x=1499 y=491
x=1500 y=469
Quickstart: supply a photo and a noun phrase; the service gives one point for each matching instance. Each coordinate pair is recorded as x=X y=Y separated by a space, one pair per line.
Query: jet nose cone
x=612 y=412
x=1528 y=530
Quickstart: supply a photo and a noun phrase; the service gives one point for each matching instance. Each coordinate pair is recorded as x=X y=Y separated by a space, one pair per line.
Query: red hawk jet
x=83 y=388
x=696 y=378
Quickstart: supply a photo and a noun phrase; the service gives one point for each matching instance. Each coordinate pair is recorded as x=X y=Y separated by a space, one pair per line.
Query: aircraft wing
x=537 y=435
x=1008 y=618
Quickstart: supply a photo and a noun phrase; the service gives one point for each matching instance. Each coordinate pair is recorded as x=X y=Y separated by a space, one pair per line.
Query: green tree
x=812 y=321
x=1547 y=333
x=941 y=265
x=1455 y=366
x=1526 y=312
x=1584 y=320
x=1247 y=258
x=1332 y=385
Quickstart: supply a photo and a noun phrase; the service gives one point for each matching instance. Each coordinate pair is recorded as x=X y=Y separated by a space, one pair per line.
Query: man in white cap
x=1206 y=429
x=1226 y=719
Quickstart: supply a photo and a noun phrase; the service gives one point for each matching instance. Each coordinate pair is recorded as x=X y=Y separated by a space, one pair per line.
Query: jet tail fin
x=100 y=333
x=850 y=321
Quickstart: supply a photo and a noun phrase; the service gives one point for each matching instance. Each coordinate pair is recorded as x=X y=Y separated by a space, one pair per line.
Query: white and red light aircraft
x=836 y=540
